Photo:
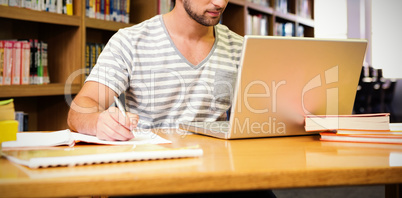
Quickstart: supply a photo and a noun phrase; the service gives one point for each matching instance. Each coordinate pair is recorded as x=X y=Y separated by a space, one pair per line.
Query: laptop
x=282 y=79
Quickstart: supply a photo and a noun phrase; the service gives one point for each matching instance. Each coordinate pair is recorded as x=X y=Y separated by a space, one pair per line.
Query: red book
x=25 y=62
x=16 y=65
x=8 y=62
x=1 y=61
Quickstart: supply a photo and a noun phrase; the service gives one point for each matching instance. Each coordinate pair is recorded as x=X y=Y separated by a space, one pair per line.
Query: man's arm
x=90 y=114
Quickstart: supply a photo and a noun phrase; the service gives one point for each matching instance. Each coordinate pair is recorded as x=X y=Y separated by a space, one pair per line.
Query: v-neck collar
x=181 y=55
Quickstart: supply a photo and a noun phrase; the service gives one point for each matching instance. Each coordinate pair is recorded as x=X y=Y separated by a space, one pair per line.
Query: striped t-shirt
x=160 y=85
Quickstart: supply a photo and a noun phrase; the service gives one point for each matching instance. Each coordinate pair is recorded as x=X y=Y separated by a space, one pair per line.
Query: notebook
x=282 y=79
x=86 y=155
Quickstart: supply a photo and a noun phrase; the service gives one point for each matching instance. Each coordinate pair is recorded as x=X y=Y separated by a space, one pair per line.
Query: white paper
x=66 y=137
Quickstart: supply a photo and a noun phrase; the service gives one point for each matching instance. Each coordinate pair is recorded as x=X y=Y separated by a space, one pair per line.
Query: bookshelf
x=299 y=13
x=48 y=104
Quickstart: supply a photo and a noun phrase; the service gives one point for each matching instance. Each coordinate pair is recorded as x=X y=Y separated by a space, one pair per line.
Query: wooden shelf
x=286 y=16
x=305 y=21
x=38 y=16
x=260 y=8
x=38 y=90
x=237 y=16
x=238 y=2
x=105 y=25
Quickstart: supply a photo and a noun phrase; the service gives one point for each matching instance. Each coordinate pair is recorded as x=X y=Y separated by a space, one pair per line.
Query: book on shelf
x=257 y=24
x=282 y=6
x=1 y=61
x=379 y=121
x=165 y=6
x=92 y=52
x=22 y=119
x=53 y=6
x=33 y=70
x=304 y=8
x=285 y=29
x=7 y=62
x=109 y=10
x=42 y=73
x=16 y=63
x=59 y=156
x=23 y=62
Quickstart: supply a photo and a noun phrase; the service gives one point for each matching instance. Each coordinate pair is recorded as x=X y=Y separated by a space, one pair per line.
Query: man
x=181 y=66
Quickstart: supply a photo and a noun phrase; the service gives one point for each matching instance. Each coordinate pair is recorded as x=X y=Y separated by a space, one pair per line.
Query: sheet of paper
x=139 y=138
x=66 y=137
x=37 y=139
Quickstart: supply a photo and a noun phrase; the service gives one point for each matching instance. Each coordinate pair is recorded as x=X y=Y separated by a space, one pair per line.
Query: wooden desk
x=267 y=163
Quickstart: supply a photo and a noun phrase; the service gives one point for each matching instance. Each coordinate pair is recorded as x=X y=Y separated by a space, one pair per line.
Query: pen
x=119 y=105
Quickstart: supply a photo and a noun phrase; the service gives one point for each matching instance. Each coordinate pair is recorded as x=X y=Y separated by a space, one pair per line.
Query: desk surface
x=227 y=165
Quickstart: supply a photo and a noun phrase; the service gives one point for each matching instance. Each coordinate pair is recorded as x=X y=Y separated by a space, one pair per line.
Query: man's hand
x=112 y=125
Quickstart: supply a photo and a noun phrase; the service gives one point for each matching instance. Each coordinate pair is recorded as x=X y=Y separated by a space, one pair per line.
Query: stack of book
x=92 y=52
x=109 y=10
x=374 y=128
x=23 y=62
x=8 y=125
x=54 y=6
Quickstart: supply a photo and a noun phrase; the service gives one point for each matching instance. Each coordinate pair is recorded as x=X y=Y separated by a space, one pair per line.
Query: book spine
x=8 y=62
x=44 y=58
x=97 y=9
x=16 y=67
x=59 y=6
x=25 y=122
x=25 y=57
x=113 y=10
x=87 y=59
x=69 y=7
x=19 y=116
x=107 y=10
x=87 y=8
x=4 y=2
x=40 y=63
x=14 y=3
x=127 y=11
x=27 y=4
x=1 y=60
x=102 y=10
x=34 y=61
x=92 y=54
x=118 y=10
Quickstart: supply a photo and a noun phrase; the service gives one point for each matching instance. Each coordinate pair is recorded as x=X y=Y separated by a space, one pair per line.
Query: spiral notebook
x=90 y=154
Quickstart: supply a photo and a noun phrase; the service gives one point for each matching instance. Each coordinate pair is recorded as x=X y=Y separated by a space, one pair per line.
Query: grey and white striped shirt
x=160 y=85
